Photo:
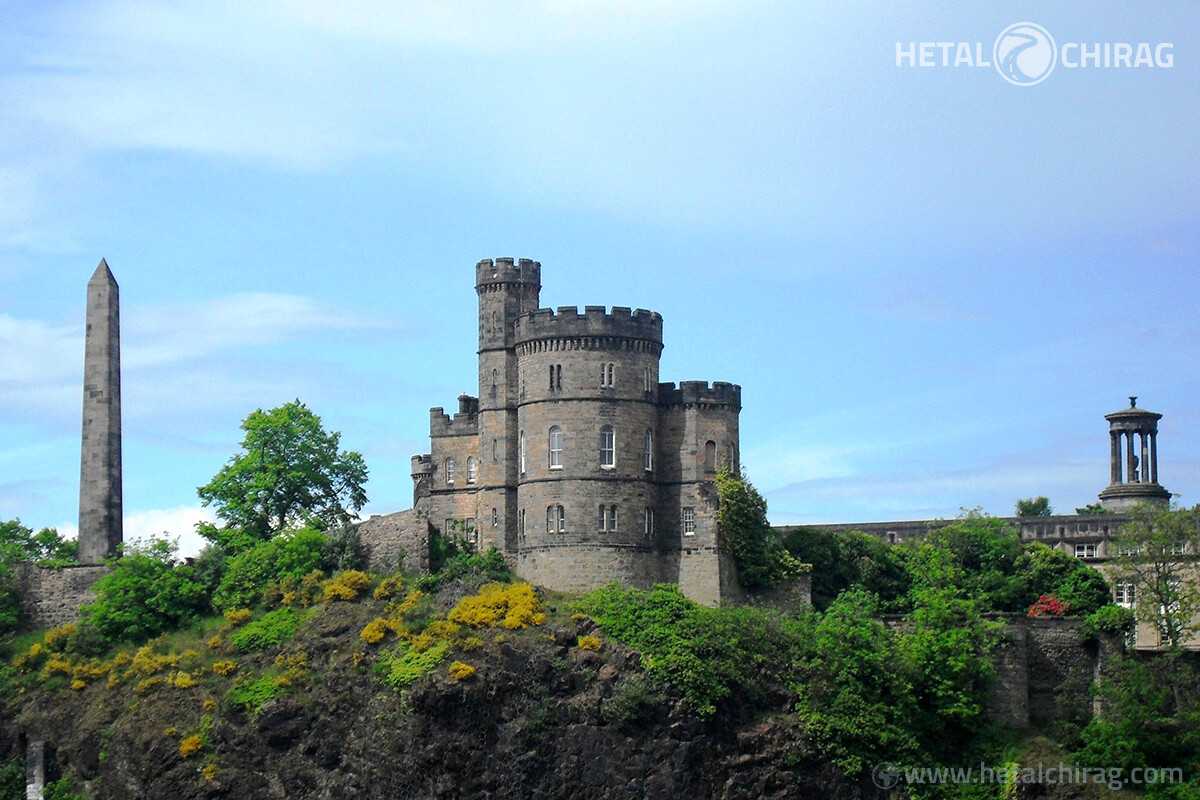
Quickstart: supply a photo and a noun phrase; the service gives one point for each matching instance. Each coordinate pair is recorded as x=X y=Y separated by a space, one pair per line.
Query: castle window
x=555 y=376
x=606 y=375
x=1085 y=551
x=449 y=471
x=648 y=522
x=556 y=519
x=710 y=456
x=647 y=386
x=556 y=448
x=521 y=523
x=891 y=537
x=495 y=450
x=732 y=459
x=472 y=535
x=495 y=518
x=648 y=450
x=689 y=521
x=608 y=518
x=470 y=469
x=522 y=387
x=1123 y=593
x=608 y=447
x=521 y=450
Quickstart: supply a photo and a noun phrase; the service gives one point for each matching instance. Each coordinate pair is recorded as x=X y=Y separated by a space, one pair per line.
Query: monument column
x=1114 y=459
x=100 y=513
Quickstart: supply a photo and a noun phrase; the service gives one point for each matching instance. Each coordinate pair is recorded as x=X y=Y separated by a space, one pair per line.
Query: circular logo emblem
x=885 y=775
x=1024 y=54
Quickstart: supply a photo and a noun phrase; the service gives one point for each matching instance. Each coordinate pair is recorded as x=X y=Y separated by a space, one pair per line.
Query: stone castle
x=573 y=460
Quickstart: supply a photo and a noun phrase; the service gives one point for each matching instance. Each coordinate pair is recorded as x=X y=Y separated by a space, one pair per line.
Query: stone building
x=573 y=460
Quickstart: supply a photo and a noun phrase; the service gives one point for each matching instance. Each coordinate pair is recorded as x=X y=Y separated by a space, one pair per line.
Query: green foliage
x=273 y=628
x=147 y=592
x=1151 y=718
x=289 y=474
x=1034 y=507
x=1111 y=618
x=634 y=703
x=405 y=664
x=1149 y=549
x=292 y=554
x=62 y=789
x=1042 y=570
x=710 y=654
x=251 y=693
x=854 y=559
x=452 y=558
x=343 y=550
x=913 y=696
x=1092 y=508
x=761 y=559
x=12 y=781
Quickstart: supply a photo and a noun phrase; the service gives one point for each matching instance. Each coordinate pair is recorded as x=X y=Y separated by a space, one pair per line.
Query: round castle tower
x=587 y=447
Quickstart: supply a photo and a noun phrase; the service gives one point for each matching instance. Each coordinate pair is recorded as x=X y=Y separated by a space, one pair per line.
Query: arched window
x=608 y=447
x=470 y=469
x=449 y=471
x=606 y=374
x=648 y=450
x=556 y=448
x=612 y=518
x=556 y=519
x=562 y=520
x=710 y=456
x=521 y=451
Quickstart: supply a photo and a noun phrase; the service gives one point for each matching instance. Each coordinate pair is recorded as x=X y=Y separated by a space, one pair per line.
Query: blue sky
x=931 y=284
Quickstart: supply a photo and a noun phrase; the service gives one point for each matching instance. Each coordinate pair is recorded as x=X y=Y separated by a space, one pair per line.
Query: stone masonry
x=100 y=513
x=574 y=460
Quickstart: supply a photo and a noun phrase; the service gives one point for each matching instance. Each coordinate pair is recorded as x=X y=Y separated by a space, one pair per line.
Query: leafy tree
x=289 y=474
x=975 y=555
x=761 y=559
x=1092 y=508
x=148 y=591
x=1034 y=507
x=1042 y=570
x=1156 y=551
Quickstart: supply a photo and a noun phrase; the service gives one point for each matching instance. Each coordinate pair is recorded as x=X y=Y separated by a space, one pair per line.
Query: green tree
x=761 y=559
x=841 y=561
x=1034 y=507
x=1156 y=551
x=976 y=555
x=148 y=591
x=289 y=474
x=19 y=544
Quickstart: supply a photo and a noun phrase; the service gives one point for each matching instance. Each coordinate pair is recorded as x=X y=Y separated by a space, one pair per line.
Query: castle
x=573 y=460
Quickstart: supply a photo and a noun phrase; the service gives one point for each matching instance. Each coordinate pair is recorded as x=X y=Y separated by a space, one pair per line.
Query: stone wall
x=388 y=537
x=52 y=596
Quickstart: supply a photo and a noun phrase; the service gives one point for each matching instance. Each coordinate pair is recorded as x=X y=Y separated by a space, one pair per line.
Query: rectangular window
x=648 y=521
x=1085 y=551
x=689 y=522
x=1177 y=549
x=562 y=520
x=521 y=451
x=1123 y=594
x=648 y=451
x=603 y=522
x=556 y=448
x=608 y=447
x=449 y=471
x=612 y=518
x=495 y=518
x=470 y=469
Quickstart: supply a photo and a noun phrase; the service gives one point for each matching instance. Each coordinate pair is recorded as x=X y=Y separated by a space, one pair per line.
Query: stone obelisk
x=100 y=518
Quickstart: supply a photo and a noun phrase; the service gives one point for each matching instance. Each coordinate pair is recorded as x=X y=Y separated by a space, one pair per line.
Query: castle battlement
x=595 y=321
x=463 y=424
x=700 y=393
x=490 y=275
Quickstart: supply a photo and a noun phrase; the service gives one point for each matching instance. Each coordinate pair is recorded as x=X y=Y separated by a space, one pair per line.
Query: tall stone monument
x=100 y=517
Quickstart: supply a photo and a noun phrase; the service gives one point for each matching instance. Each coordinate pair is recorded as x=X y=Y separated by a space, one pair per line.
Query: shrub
x=374 y=631
x=271 y=629
x=762 y=561
x=190 y=746
x=237 y=616
x=248 y=574
x=460 y=671
x=146 y=593
x=512 y=606
x=589 y=643
x=1112 y=618
x=451 y=558
x=224 y=668
x=1048 y=606
x=251 y=693
x=389 y=587
x=346 y=585
x=406 y=664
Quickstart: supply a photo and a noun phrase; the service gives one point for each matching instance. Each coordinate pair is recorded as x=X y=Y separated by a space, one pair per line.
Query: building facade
x=573 y=459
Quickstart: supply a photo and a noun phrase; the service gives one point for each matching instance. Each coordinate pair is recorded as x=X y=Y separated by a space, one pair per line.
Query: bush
x=292 y=554
x=406 y=664
x=451 y=558
x=461 y=671
x=273 y=628
x=251 y=693
x=146 y=593
x=512 y=606
x=346 y=585
x=762 y=561
x=12 y=781
x=1111 y=619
